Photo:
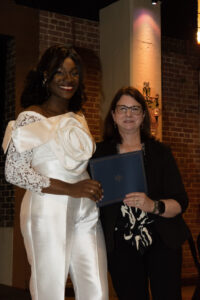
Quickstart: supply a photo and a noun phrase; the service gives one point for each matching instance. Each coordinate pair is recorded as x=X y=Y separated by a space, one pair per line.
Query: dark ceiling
x=82 y=9
x=178 y=17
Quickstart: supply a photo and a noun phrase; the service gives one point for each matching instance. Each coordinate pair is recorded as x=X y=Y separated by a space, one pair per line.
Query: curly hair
x=111 y=132
x=36 y=85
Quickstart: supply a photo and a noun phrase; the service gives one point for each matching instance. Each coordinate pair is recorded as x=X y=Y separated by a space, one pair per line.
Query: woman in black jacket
x=144 y=233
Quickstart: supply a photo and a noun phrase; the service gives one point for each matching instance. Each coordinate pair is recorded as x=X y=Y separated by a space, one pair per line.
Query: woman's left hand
x=139 y=200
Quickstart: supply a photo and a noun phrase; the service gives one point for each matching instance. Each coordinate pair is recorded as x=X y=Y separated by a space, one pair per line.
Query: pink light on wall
x=144 y=20
x=146 y=59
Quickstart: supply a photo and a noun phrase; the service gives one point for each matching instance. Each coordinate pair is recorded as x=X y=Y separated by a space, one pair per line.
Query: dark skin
x=62 y=87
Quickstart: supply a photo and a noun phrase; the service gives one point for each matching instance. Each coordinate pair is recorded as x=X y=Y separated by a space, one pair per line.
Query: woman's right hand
x=88 y=188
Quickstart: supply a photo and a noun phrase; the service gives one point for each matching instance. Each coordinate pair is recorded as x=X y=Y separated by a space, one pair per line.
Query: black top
x=163 y=181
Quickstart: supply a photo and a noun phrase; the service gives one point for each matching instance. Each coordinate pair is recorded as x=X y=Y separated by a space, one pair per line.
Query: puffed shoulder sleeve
x=33 y=135
x=72 y=143
x=18 y=167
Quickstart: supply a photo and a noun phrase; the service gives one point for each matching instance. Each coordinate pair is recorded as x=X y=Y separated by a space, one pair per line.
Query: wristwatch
x=159 y=207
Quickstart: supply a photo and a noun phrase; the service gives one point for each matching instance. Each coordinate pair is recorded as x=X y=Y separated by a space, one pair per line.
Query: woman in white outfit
x=48 y=148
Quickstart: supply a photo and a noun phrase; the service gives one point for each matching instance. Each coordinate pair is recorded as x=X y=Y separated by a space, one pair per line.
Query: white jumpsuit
x=61 y=234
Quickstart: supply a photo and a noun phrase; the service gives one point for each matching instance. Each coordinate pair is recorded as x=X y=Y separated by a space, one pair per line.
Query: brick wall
x=181 y=125
x=7 y=190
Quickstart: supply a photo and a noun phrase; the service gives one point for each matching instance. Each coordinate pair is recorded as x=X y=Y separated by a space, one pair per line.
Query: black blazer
x=163 y=181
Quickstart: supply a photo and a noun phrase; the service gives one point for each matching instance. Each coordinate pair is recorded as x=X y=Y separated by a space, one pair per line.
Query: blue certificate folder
x=119 y=175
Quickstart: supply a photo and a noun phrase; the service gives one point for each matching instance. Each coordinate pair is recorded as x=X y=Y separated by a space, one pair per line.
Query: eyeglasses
x=123 y=109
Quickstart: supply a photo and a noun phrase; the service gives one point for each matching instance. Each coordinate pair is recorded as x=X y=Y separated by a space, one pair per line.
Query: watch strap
x=159 y=207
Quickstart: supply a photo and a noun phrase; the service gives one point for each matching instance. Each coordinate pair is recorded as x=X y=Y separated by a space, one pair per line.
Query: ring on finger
x=137 y=202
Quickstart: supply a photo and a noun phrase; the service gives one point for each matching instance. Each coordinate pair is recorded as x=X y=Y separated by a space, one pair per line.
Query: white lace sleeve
x=18 y=169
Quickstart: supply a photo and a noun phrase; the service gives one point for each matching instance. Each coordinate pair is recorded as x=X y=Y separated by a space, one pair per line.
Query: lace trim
x=18 y=169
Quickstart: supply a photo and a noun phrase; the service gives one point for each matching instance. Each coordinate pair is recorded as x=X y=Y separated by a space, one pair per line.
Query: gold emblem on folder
x=118 y=178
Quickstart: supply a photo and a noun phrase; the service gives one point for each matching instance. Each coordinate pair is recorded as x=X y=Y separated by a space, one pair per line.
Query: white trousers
x=62 y=235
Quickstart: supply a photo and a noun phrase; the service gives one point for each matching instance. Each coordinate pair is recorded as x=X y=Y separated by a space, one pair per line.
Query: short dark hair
x=36 y=92
x=111 y=132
